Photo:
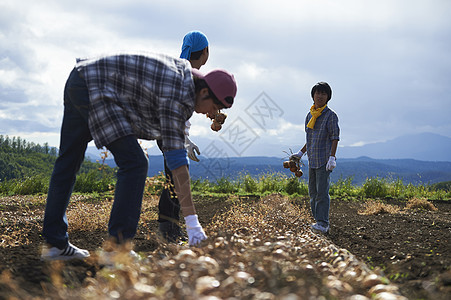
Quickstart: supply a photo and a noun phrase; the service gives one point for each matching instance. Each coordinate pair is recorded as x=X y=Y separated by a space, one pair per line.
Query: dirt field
x=410 y=248
x=413 y=247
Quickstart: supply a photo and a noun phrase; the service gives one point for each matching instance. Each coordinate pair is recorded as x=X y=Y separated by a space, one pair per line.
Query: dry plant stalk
x=416 y=203
x=373 y=207
x=81 y=215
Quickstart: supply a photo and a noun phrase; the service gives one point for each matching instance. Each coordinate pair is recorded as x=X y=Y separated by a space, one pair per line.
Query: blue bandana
x=192 y=42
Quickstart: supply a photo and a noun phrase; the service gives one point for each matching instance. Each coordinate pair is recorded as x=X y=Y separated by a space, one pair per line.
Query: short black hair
x=322 y=87
x=199 y=84
x=196 y=54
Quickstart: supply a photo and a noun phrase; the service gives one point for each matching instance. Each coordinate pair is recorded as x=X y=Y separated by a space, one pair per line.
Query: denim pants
x=318 y=187
x=75 y=136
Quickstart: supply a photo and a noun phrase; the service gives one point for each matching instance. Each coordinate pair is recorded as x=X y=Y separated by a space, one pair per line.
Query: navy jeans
x=318 y=187
x=75 y=136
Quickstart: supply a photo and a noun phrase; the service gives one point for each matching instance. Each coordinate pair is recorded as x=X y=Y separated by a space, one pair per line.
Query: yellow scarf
x=315 y=114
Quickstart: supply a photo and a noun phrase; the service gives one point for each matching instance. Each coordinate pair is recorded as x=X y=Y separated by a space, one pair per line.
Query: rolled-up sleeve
x=176 y=158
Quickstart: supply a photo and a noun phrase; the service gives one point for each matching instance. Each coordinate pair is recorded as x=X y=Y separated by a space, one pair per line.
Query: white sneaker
x=111 y=258
x=68 y=253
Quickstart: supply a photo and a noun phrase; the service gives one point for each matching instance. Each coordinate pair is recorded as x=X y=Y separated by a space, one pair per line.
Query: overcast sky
x=388 y=63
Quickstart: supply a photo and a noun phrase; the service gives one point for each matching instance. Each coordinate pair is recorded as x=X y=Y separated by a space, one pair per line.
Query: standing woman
x=322 y=136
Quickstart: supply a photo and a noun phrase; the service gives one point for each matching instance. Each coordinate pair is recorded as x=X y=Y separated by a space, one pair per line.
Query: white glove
x=187 y=127
x=190 y=147
x=331 y=164
x=195 y=232
x=297 y=156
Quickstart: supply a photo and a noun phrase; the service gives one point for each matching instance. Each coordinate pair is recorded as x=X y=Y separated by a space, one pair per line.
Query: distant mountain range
x=359 y=169
x=422 y=146
x=421 y=158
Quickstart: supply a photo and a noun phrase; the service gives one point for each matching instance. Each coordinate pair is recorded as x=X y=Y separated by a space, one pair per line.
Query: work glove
x=297 y=156
x=331 y=164
x=195 y=232
x=190 y=148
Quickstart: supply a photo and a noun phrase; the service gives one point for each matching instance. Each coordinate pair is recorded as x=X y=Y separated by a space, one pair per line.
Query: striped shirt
x=319 y=139
x=147 y=95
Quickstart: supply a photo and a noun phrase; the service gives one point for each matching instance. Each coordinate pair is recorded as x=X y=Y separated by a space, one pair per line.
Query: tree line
x=20 y=159
x=19 y=145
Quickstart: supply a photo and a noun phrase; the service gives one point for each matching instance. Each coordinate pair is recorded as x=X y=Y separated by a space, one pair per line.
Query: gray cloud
x=12 y=126
x=387 y=61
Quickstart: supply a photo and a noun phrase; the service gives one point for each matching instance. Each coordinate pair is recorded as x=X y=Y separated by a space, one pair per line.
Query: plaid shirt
x=319 y=139
x=147 y=95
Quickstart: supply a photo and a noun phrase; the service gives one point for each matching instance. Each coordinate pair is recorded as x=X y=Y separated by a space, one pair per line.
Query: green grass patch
x=103 y=181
